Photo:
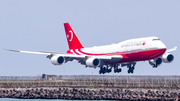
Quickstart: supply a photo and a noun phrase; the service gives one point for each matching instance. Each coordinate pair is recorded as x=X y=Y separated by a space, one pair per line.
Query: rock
x=89 y=94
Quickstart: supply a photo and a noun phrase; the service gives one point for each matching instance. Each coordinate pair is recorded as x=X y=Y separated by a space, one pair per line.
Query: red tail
x=72 y=39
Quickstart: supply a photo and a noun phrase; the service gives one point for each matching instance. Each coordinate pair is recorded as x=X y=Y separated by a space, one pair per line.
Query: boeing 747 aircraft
x=126 y=53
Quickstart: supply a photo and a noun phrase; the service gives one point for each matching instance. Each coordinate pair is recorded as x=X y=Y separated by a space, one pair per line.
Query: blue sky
x=37 y=25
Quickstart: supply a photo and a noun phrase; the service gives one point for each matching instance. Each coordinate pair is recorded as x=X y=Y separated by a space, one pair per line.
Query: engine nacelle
x=93 y=62
x=157 y=62
x=167 y=57
x=57 y=60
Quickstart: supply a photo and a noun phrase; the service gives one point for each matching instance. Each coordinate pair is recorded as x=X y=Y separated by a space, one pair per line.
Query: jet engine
x=167 y=58
x=57 y=60
x=155 y=62
x=93 y=62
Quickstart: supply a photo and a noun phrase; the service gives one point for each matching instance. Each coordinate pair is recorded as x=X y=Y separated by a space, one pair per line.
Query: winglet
x=12 y=50
x=170 y=50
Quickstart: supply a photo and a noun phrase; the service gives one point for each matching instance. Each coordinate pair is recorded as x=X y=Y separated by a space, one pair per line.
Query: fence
x=92 y=81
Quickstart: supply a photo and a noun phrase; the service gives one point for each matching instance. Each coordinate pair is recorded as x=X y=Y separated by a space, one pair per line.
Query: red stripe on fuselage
x=76 y=52
x=138 y=55
x=143 y=55
x=87 y=53
x=131 y=56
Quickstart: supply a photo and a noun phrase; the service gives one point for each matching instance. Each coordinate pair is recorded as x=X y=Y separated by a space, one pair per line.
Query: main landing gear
x=104 y=70
x=116 y=69
x=155 y=65
x=108 y=69
x=131 y=67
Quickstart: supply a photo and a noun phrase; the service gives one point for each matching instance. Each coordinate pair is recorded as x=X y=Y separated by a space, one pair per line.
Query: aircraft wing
x=47 y=53
x=170 y=50
x=28 y=52
x=74 y=56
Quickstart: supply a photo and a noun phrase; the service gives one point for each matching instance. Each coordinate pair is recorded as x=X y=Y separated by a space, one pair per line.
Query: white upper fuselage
x=139 y=49
x=139 y=44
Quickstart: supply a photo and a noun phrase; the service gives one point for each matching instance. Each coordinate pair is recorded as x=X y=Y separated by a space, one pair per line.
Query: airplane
x=126 y=53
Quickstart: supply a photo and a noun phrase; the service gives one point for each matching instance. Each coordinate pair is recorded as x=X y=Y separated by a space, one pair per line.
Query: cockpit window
x=155 y=39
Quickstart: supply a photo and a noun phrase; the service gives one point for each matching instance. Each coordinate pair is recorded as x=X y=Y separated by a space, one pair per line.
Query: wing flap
x=107 y=57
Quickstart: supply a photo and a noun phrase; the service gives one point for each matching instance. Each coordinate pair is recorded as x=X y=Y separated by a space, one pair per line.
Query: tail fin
x=72 y=39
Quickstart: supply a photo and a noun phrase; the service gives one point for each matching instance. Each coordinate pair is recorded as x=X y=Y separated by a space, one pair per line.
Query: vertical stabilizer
x=72 y=39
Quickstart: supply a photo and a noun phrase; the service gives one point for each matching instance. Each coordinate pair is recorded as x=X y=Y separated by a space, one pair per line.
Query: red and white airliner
x=125 y=53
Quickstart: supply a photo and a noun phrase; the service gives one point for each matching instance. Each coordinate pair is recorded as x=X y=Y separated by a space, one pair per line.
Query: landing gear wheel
x=129 y=71
x=99 y=71
x=131 y=67
x=109 y=70
x=119 y=70
x=155 y=66
x=114 y=70
x=104 y=70
x=132 y=71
